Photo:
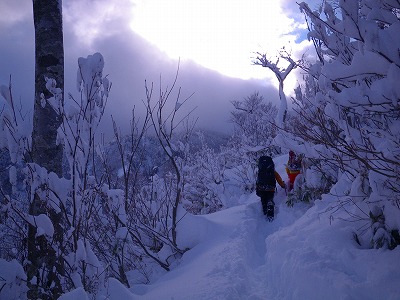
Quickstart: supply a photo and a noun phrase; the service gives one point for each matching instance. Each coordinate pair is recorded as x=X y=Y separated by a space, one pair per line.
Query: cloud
x=17 y=59
x=89 y=20
x=130 y=60
x=221 y=35
x=14 y=11
x=106 y=27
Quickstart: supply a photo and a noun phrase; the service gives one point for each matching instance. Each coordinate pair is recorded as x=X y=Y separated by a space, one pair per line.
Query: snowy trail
x=230 y=262
x=237 y=254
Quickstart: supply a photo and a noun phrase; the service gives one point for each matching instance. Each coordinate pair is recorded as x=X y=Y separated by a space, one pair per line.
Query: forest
x=78 y=212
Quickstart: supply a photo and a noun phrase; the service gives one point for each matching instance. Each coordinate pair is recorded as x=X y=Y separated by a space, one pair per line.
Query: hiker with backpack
x=266 y=184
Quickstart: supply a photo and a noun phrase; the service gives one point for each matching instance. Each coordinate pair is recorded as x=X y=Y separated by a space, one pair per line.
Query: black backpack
x=266 y=174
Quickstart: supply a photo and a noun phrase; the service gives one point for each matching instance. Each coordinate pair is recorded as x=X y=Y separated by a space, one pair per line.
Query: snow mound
x=303 y=254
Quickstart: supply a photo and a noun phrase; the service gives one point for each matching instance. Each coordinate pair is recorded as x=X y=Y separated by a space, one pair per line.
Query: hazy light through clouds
x=142 y=40
x=91 y=20
x=221 y=35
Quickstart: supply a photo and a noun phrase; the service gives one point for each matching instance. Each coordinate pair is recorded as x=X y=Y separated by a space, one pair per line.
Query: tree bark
x=44 y=260
x=49 y=63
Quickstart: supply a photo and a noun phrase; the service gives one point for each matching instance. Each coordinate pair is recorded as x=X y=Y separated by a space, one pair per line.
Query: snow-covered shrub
x=15 y=146
x=73 y=200
x=166 y=125
x=377 y=233
x=61 y=211
x=204 y=180
x=316 y=178
x=351 y=119
x=12 y=280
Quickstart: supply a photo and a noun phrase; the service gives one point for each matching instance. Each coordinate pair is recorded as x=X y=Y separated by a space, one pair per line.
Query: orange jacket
x=279 y=179
x=292 y=174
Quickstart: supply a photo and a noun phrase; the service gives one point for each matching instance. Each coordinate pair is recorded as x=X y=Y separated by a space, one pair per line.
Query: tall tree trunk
x=281 y=116
x=45 y=262
x=49 y=64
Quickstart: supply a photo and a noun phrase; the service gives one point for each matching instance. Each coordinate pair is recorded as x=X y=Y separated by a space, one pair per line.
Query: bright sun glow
x=219 y=34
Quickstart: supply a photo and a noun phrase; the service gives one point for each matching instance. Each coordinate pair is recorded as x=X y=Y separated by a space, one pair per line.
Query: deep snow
x=237 y=254
x=302 y=254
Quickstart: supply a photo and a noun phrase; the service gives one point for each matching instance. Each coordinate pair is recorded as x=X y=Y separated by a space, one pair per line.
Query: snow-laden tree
x=204 y=180
x=58 y=232
x=281 y=73
x=253 y=135
x=348 y=112
x=253 y=120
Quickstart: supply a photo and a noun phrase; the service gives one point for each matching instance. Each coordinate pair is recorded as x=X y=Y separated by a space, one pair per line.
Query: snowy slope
x=227 y=263
x=303 y=254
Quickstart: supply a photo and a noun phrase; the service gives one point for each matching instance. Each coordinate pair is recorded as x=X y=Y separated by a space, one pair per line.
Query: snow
x=43 y=224
x=320 y=250
x=377 y=65
x=303 y=254
x=117 y=291
x=12 y=277
x=5 y=92
x=56 y=100
x=78 y=293
x=89 y=77
x=299 y=256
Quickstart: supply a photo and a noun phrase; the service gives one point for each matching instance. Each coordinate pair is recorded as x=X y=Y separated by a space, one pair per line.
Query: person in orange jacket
x=293 y=168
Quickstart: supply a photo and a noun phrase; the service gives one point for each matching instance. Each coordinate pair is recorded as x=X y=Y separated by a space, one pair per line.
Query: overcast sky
x=143 y=39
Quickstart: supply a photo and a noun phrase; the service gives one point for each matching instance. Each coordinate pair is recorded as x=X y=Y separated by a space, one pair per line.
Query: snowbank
x=237 y=254
x=303 y=254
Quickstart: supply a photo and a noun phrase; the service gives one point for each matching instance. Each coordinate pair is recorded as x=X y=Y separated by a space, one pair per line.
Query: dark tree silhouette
x=43 y=263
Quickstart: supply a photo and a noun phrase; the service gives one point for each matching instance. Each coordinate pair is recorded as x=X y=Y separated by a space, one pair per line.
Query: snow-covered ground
x=302 y=254
x=237 y=254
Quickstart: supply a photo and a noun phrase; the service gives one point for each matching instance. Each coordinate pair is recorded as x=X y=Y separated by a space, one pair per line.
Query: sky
x=140 y=40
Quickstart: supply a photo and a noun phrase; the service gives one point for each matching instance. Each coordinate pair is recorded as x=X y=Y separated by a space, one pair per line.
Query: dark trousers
x=265 y=198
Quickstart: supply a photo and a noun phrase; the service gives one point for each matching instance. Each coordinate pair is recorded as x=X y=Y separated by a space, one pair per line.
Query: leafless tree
x=165 y=124
x=281 y=74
